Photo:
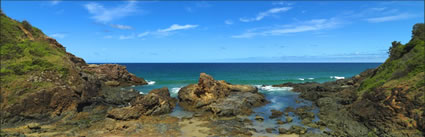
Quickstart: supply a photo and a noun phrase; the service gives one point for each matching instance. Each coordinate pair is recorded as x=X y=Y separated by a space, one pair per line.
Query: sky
x=223 y=31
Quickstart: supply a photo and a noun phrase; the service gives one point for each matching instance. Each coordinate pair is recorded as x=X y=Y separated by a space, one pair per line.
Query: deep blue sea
x=176 y=75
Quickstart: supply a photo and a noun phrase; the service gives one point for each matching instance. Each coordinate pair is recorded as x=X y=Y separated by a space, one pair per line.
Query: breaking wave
x=271 y=88
x=337 y=77
x=150 y=82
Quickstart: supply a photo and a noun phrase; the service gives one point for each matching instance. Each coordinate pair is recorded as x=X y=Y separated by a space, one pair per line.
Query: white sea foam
x=271 y=88
x=337 y=77
x=301 y=79
x=310 y=78
x=175 y=90
x=150 y=82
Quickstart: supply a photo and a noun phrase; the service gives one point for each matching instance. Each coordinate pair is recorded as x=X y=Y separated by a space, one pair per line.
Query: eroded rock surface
x=114 y=75
x=219 y=97
x=157 y=102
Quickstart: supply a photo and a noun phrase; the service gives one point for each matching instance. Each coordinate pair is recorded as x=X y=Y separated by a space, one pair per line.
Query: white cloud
x=143 y=34
x=311 y=25
x=390 y=18
x=228 y=22
x=58 y=35
x=175 y=27
x=119 y=26
x=124 y=37
x=282 y=3
x=102 y=14
x=54 y=2
x=269 y=12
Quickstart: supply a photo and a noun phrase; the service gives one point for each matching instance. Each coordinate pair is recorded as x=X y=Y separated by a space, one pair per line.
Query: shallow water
x=176 y=75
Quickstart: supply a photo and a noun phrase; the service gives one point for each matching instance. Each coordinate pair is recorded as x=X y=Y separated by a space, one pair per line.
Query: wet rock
x=259 y=118
x=157 y=102
x=306 y=121
x=280 y=122
x=220 y=97
x=270 y=130
x=283 y=131
x=297 y=130
x=275 y=113
x=289 y=119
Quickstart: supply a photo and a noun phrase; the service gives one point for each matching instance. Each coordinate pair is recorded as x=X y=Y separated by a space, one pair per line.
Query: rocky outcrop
x=219 y=97
x=114 y=75
x=157 y=102
x=57 y=83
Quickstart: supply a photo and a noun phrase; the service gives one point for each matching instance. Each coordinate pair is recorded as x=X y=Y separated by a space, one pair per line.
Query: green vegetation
x=405 y=64
x=26 y=52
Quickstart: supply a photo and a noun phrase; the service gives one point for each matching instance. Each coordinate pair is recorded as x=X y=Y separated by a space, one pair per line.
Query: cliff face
x=40 y=80
x=386 y=101
x=393 y=95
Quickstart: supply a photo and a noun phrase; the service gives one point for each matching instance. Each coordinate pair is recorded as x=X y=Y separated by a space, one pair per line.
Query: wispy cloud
x=311 y=25
x=390 y=18
x=282 y=3
x=123 y=27
x=124 y=37
x=143 y=34
x=54 y=2
x=175 y=27
x=228 y=22
x=269 y=12
x=58 y=35
x=102 y=14
x=158 y=33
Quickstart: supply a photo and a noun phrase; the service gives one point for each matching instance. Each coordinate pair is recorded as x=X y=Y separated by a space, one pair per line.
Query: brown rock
x=220 y=97
x=157 y=102
x=269 y=130
x=275 y=113
x=112 y=83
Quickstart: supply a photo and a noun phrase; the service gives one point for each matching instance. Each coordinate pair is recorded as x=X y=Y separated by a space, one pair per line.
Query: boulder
x=297 y=130
x=276 y=113
x=219 y=97
x=289 y=119
x=157 y=102
x=283 y=131
x=115 y=73
x=269 y=130
x=259 y=118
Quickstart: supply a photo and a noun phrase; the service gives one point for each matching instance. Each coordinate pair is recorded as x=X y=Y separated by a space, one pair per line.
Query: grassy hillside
x=26 y=52
x=405 y=66
x=393 y=96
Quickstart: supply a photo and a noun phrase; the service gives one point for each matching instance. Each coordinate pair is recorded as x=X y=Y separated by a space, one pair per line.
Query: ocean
x=176 y=75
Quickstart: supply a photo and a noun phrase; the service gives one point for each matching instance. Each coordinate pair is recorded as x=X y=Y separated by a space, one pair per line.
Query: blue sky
x=223 y=31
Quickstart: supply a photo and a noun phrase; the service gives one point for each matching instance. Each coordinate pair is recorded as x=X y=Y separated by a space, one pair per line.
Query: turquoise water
x=176 y=75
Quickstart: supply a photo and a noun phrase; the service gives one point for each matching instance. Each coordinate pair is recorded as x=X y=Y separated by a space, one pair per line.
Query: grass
x=24 y=52
x=405 y=62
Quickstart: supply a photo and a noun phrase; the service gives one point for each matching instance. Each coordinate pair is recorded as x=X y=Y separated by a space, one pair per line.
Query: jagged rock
x=297 y=130
x=112 y=83
x=220 y=97
x=283 y=131
x=275 y=113
x=114 y=72
x=289 y=119
x=269 y=130
x=157 y=102
x=280 y=122
x=259 y=118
